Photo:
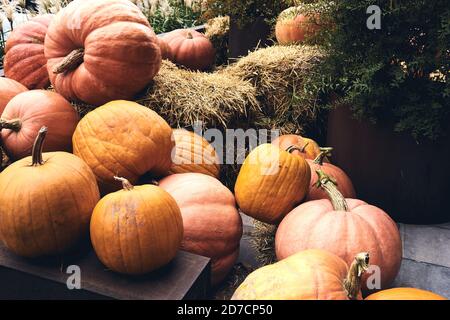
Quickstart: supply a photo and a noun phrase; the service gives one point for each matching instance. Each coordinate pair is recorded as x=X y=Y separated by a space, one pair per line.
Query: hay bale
x=263 y=241
x=217 y=30
x=279 y=74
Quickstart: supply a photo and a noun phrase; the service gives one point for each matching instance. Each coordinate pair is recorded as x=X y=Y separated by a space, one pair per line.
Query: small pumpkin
x=24 y=60
x=136 y=230
x=193 y=153
x=307 y=275
x=126 y=139
x=212 y=225
x=9 y=88
x=343 y=182
x=47 y=201
x=404 y=294
x=294 y=27
x=166 y=52
x=95 y=47
x=190 y=49
x=305 y=147
x=271 y=182
x=342 y=226
x=30 y=110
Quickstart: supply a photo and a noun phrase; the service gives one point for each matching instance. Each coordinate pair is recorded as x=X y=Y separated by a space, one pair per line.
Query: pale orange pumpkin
x=405 y=294
x=137 y=229
x=294 y=27
x=342 y=226
x=212 y=224
x=9 y=88
x=101 y=50
x=304 y=147
x=47 y=201
x=193 y=153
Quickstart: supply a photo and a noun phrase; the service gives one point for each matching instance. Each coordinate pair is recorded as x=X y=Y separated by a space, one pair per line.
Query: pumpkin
x=271 y=183
x=166 y=52
x=136 y=230
x=307 y=275
x=101 y=50
x=193 y=153
x=24 y=59
x=29 y=111
x=211 y=222
x=190 y=49
x=404 y=294
x=294 y=27
x=47 y=201
x=342 y=226
x=9 y=88
x=305 y=147
x=343 y=182
x=123 y=138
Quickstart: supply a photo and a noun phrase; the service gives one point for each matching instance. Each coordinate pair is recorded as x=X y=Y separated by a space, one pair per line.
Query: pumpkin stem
x=189 y=35
x=14 y=124
x=324 y=152
x=297 y=148
x=70 y=62
x=329 y=185
x=352 y=283
x=125 y=183
x=36 y=153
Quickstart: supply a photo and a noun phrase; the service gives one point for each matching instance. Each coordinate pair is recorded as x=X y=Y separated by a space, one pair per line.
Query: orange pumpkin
x=29 y=111
x=343 y=182
x=136 y=230
x=193 y=153
x=305 y=147
x=271 y=183
x=126 y=139
x=9 y=88
x=191 y=49
x=294 y=27
x=24 y=60
x=212 y=224
x=101 y=50
x=405 y=294
x=342 y=226
x=47 y=201
x=166 y=52
x=307 y=275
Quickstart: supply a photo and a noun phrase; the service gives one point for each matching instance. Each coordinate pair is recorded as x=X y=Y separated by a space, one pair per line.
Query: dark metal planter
x=408 y=180
x=244 y=39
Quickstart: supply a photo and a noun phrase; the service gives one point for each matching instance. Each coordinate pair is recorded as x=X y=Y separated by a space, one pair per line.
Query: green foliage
x=399 y=74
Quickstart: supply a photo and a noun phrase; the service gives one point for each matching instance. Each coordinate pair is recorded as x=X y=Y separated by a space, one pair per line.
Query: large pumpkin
x=166 y=52
x=404 y=294
x=126 y=139
x=190 y=49
x=101 y=50
x=294 y=27
x=193 y=153
x=24 y=60
x=342 y=226
x=47 y=201
x=305 y=147
x=212 y=224
x=9 y=88
x=29 y=111
x=343 y=182
x=271 y=183
x=307 y=275
x=136 y=230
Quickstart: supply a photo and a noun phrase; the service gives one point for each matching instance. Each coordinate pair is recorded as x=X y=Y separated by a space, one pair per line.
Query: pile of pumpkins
x=142 y=190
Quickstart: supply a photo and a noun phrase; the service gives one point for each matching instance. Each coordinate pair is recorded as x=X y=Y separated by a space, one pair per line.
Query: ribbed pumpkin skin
x=191 y=49
x=24 y=60
x=9 y=88
x=166 y=52
x=126 y=139
x=212 y=224
x=193 y=153
x=311 y=148
x=46 y=209
x=271 y=183
x=121 y=51
x=307 y=275
x=294 y=29
x=405 y=294
x=136 y=231
x=36 y=108
x=315 y=225
x=344 y=184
